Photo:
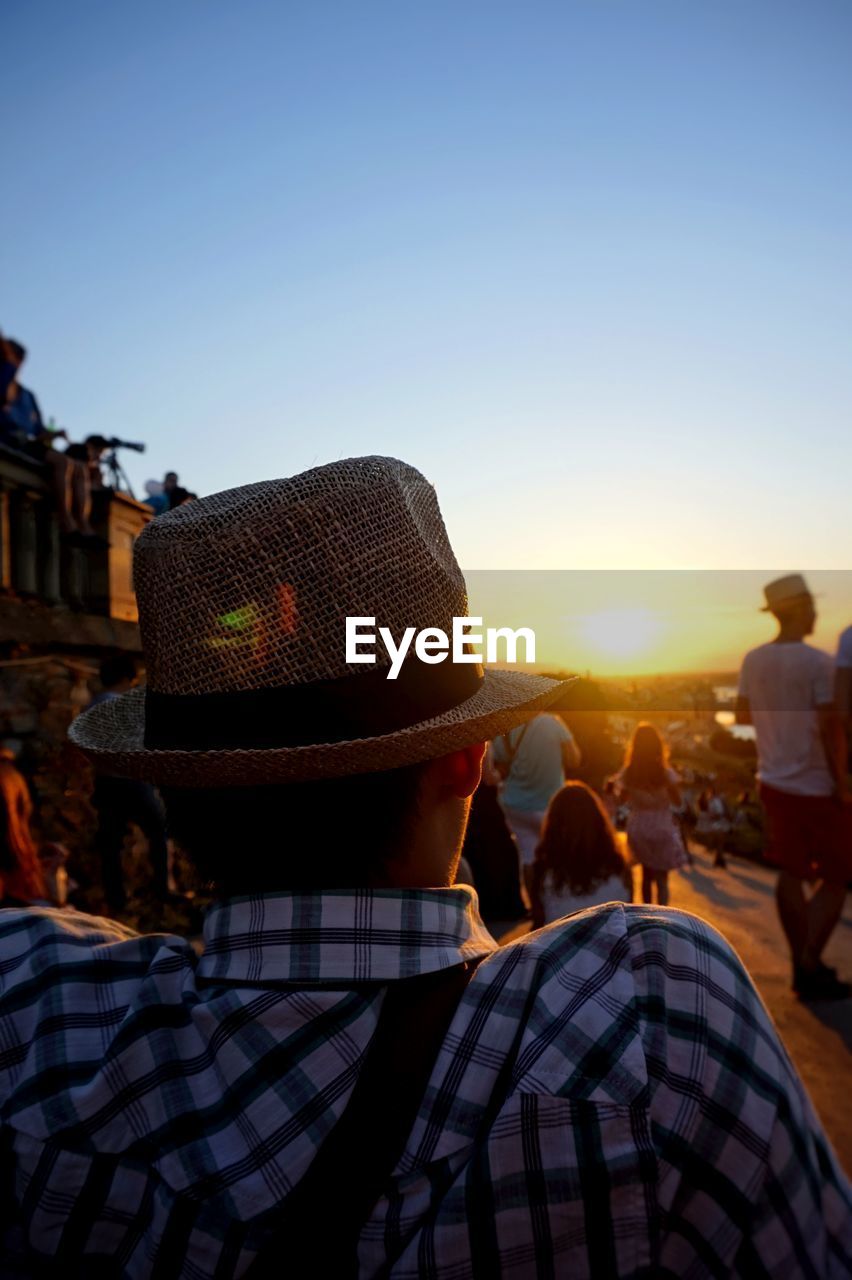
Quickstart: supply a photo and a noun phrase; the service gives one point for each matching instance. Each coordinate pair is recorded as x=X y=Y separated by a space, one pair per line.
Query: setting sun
x=621 y=633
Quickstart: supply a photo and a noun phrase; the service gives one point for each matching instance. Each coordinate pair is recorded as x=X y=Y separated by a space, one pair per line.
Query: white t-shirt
x=562 y=902
x=784 y=685
x=536 y=773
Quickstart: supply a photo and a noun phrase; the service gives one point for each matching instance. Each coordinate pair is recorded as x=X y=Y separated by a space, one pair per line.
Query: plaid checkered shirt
x=157 y=1106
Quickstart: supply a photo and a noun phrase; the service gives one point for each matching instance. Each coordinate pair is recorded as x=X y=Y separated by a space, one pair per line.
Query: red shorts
x=809 y=836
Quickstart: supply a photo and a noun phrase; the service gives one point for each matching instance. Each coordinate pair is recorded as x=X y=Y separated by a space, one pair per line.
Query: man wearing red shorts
x=787 y=692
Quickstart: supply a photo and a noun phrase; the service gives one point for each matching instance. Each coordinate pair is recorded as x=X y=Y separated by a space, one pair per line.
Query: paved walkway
x=740 y=903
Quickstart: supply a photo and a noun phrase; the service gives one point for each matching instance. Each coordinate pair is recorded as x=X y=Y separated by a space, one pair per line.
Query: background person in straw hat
x=786 y=691
x=353 y=1079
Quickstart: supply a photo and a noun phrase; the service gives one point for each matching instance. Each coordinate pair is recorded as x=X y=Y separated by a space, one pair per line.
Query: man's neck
x=790 y=635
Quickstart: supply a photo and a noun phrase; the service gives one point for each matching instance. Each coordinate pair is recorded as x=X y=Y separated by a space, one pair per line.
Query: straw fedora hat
x=242 y=600
x=784 y=590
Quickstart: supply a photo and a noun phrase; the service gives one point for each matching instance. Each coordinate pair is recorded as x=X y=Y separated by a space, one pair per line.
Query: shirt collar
x=357 y=935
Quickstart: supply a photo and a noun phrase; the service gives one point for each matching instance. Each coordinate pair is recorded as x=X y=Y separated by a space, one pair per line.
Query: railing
x=37 y=564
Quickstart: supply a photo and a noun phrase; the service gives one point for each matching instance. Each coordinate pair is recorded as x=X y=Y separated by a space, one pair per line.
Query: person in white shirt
x=786 y=691
x=533 y=760
x=578 y=862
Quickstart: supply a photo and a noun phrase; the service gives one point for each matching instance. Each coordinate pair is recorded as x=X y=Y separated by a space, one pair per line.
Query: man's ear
x=460 y=771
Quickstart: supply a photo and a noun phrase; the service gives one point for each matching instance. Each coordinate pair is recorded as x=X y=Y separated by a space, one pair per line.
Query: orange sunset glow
x=648 y=623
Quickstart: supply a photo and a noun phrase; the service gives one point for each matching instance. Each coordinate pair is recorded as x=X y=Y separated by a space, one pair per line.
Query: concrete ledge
x=48 y=627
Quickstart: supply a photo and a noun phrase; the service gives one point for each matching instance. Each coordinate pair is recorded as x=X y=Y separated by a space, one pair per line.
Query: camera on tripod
x=117 y=475
x=114 y=443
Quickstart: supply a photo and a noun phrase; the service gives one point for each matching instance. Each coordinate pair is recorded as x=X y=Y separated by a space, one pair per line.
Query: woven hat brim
x=112 y=734
x=814 y=595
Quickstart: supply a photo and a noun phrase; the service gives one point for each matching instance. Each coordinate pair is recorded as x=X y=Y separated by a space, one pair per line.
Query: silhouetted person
x=651 y=788
x=175 y=493
x=579 y=862
x=787 y=692
x=20 y=416
x=8 y=367
x=156 y=497
x=492 y=852
x=75 y=473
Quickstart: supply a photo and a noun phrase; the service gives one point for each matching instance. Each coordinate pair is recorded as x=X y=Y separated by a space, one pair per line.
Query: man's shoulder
x=620 y=953
x=816 y=661
x=22 y=925
x=640 y=925
x=769 y=655
x=36 y=941
x=548 y=724
x=71 y=978
x=617 y=946
x=609 y=984
x=760 y=653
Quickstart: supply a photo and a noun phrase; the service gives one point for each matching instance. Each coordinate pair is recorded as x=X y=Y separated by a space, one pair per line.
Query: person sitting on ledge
x=76 y=473
x=353 y=1079
x=156 y=497
x=21 y=422
x=175 y=494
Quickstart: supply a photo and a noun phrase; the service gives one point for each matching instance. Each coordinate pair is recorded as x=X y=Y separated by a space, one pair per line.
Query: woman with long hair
x=578 y=862
x=650 y=788
x=21 y=876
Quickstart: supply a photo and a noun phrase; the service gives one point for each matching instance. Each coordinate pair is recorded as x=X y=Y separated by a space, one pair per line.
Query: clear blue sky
x=586 y=264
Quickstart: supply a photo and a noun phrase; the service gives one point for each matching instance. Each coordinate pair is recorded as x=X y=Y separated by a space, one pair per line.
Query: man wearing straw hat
x=787 y=692
x=353 y=1080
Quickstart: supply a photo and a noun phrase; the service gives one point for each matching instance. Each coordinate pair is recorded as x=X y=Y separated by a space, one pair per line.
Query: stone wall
x=49 y=659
